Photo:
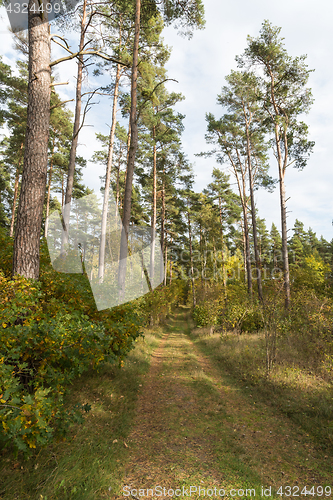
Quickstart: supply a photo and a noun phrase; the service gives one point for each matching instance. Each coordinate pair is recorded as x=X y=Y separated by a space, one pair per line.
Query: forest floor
x=172 y=421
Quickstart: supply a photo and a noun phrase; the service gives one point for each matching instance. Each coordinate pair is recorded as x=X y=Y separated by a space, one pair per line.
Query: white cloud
x=200 y=65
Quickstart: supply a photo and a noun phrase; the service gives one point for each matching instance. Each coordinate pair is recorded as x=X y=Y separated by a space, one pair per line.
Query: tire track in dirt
x=180 y=433
x=161 y=450
x=279 y=451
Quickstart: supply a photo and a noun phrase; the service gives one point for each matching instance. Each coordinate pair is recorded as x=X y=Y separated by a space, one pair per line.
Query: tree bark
x=128 y=145
x=131 y=157
x=62 y=192
x=284 y=237
x=153 y=218
x=253 y=211
x=49 y=193
x=76 y=129
x=282 y=165
x=222 y=249
x=191 y=255
x=170 y=281
x=248 y=252
x=242 y=193
x=107 y=179
x=16 y=186
x=162 y=224
x=30 y=209
x=165 y=261
x=118 y=185
x=244 y=250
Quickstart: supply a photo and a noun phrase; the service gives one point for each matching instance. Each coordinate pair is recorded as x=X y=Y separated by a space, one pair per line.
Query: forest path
x=195 y=428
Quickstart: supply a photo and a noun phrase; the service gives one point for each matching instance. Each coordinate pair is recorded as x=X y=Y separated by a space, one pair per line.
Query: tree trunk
x=282 y=164
x=244 y=201
x=131 y=157
x=248 y=252
x=170 y=281
x=153 y=218
x=118 y=186
x=284 y=238
x=162 y=225
x=76 y=129
x=222 y=249
x=107 y=179
x=191 y=256
x=30 y=209
x=128 y=144
x=49 y=192
x=214 y=260
x=62 y=192
x=200 y=250
x=253 y=214
x=244 y=250
x=16 y=186
x=242 y=193
x=165 y=262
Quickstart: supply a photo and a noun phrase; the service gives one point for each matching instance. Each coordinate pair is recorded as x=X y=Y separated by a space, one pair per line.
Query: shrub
x=51 y=333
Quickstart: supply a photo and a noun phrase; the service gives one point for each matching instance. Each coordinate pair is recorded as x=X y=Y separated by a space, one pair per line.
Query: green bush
x=51 y=332
x=201 y=316
x=252 y=321
x=159 y=302
x=40 y=355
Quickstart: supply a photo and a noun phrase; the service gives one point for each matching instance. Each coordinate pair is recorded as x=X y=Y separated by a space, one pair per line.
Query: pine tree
x=284 y=98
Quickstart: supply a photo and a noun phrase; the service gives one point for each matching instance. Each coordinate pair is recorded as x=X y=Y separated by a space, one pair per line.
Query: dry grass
x=297 y=386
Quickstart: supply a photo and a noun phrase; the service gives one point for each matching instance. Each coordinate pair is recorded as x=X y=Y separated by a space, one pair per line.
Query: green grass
x=205 y=403
x=87 y=465
x=201 y=419
x=292 y=389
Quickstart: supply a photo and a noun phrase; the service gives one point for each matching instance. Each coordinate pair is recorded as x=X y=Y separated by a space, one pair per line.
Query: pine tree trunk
x=62 y=192
x=222 y=249
x=242 y=193
x=165 y=262
x=108 y=179
x=128 y=144
x=118 y=186
x=153 y=218
x=253 y=208
x=170 y=281
x=248 y=251
x=244 y=250
x=76 y=129
x=131 y=157
x=214 y=259
x=201 y=252
x=282 y=165
x=162 y=225
x=30 y=209
x=284 y=239
x=191 y=256
x=49 y=193
x=16 y=186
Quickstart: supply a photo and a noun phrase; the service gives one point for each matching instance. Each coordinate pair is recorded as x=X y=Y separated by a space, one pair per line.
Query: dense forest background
x=220 y=258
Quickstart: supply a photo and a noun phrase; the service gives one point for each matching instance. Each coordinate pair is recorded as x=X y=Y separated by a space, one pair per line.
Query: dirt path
x=194 y=428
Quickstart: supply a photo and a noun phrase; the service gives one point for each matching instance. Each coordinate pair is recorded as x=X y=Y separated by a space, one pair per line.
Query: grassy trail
x=173 y=418
x=195 y=428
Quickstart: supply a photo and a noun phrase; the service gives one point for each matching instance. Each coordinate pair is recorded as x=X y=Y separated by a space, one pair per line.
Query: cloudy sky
x=200 y=66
